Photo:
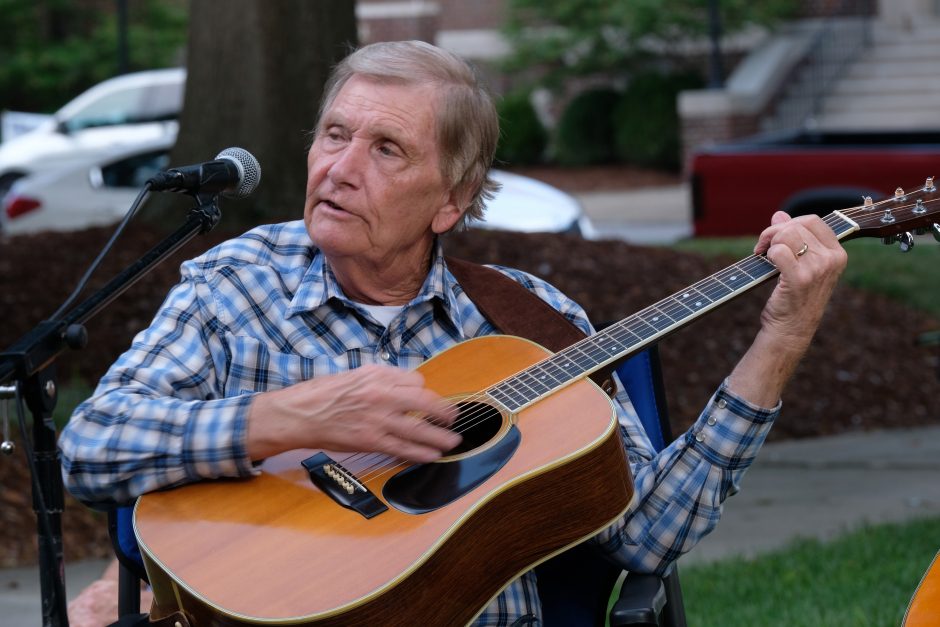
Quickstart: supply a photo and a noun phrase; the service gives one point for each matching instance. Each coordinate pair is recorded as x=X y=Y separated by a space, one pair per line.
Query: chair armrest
x=641 y=601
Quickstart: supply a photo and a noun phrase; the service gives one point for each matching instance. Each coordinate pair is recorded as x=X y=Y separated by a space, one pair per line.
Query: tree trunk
x=255 y=76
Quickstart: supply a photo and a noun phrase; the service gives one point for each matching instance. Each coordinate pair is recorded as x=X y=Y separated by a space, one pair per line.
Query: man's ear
x=451 y=212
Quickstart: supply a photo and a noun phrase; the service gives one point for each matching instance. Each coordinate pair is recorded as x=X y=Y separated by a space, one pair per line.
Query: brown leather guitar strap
x=514 y=310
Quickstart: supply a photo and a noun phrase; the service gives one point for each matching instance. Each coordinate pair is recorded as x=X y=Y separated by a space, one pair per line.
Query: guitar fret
x=608 y=343
x=567 y=365
x=542 y=373
x=531 y=382
x=657 y=319
x=505 y=397
x=713 y=289
x=695 y=299
x=624 y=335
x=641 y=328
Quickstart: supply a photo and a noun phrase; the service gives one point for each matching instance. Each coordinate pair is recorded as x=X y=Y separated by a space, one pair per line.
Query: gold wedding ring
x=803 y=250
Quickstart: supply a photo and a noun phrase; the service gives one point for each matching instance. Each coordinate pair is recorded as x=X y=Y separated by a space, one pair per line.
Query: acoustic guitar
x=924 y=608
x=321 y=538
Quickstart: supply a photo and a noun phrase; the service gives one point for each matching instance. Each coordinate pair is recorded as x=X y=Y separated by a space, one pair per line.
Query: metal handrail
x=843 y=33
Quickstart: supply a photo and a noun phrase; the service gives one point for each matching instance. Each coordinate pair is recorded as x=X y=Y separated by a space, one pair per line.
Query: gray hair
x=467 y=122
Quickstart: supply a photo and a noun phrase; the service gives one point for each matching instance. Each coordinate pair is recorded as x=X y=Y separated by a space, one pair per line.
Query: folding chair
x=575 y=587
x=130 y=567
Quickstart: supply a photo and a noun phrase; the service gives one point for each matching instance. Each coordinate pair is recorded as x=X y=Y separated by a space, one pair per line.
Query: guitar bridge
x=342 y=486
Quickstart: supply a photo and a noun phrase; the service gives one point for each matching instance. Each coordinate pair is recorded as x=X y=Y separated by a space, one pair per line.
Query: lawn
x=862 y=579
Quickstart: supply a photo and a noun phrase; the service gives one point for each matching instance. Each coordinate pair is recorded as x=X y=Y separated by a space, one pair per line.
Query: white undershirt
x=383 y=313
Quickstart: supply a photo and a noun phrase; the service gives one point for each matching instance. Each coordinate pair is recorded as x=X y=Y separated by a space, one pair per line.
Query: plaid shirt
x=264 y=310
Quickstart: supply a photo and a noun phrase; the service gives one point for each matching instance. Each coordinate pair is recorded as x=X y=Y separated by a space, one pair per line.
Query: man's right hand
x=369 y=409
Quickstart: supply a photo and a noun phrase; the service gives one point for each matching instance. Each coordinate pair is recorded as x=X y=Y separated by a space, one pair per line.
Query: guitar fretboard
x=631 y=335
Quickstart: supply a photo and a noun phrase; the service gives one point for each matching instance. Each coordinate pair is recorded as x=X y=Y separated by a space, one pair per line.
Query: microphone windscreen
x=249 y=167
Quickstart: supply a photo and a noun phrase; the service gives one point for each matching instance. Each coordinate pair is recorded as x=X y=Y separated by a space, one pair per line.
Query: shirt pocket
x=254 y=367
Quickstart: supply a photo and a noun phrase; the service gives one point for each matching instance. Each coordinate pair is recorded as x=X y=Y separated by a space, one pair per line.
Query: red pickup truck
x=737 y=186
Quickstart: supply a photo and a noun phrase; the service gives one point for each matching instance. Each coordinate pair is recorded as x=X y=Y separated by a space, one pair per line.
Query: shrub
x=522 y=137
x=646 y=121
x=585 y=133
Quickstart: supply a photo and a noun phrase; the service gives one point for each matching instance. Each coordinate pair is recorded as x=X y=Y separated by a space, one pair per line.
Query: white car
x=127 y=110
x=76 y=196
x=529 y=205
x=84 y=165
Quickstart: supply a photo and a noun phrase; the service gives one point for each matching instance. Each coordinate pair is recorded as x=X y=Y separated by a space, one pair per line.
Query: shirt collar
x=319 y=285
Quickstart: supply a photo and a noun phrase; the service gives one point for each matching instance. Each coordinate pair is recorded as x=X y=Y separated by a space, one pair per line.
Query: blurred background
x=644 y=143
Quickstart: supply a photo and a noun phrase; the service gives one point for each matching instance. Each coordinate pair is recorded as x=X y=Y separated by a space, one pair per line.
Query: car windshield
x=151 y=103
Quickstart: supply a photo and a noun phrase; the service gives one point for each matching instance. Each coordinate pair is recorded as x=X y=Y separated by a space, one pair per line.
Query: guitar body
x=275 y=549
x=924 y=608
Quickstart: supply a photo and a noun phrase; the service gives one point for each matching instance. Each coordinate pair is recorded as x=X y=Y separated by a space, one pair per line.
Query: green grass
x=863 y=579
x=910 y=278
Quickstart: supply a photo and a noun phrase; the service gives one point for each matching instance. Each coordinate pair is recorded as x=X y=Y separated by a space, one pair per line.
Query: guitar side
x=277 y=550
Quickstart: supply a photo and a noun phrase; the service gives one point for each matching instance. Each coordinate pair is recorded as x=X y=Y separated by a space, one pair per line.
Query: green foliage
x=865 y=578
x=585 y=133
x=522 y=137
x=646 y=120
x=53 y=50
x=584 y=37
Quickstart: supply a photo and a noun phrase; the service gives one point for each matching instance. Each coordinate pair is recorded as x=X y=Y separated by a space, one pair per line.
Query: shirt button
x=711 y=421
x=722 y=403
x=385 y=355
x=700 y=438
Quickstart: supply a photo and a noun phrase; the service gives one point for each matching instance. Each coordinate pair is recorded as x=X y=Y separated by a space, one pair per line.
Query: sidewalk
x=823 y=487
x=801 y=488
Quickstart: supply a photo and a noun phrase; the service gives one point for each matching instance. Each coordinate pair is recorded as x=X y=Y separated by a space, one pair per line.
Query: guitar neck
x=633 y=334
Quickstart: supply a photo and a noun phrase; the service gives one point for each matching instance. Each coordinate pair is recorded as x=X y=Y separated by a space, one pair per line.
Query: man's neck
x=385 y=282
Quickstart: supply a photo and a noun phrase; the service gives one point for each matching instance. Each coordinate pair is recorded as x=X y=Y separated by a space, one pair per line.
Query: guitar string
x=467 y=421
x=747 y=266
x=668 y=307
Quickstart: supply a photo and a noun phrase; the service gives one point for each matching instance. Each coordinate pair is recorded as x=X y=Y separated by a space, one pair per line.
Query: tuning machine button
x=929 y=185
x=936 y=231
x=905 y=241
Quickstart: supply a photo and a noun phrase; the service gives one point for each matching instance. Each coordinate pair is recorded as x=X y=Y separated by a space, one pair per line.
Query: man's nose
x=346 y=168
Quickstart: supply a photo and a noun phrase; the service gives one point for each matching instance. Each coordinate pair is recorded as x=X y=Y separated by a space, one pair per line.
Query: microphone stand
x=30 y=364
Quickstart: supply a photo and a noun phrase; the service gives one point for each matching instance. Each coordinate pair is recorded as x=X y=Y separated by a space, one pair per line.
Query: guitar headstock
x=893 y=219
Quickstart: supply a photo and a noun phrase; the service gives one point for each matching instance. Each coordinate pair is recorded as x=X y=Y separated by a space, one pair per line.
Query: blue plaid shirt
x=264 y=310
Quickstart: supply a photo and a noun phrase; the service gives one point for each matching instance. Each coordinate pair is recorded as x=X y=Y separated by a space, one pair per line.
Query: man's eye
x=388 y=150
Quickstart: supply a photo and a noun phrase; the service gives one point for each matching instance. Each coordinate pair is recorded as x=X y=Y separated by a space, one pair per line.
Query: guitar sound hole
x=478 y=423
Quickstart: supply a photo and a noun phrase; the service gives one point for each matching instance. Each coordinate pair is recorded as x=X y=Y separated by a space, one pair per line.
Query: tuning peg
x=919 y=207
x=905 y=242
x=899 y=194
x=867 y=202
x=929 y=185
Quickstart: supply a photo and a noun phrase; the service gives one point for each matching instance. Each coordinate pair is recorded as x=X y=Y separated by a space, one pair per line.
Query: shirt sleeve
x=681 y=489
x=158 y=417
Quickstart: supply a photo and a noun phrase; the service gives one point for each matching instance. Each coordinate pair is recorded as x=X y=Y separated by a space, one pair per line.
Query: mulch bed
x=862 y=372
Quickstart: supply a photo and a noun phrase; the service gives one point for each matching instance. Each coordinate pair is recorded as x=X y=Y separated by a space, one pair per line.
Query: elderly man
x=305 y=334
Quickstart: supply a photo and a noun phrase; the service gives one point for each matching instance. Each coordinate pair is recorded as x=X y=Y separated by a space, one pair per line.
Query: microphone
x=234 y=173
